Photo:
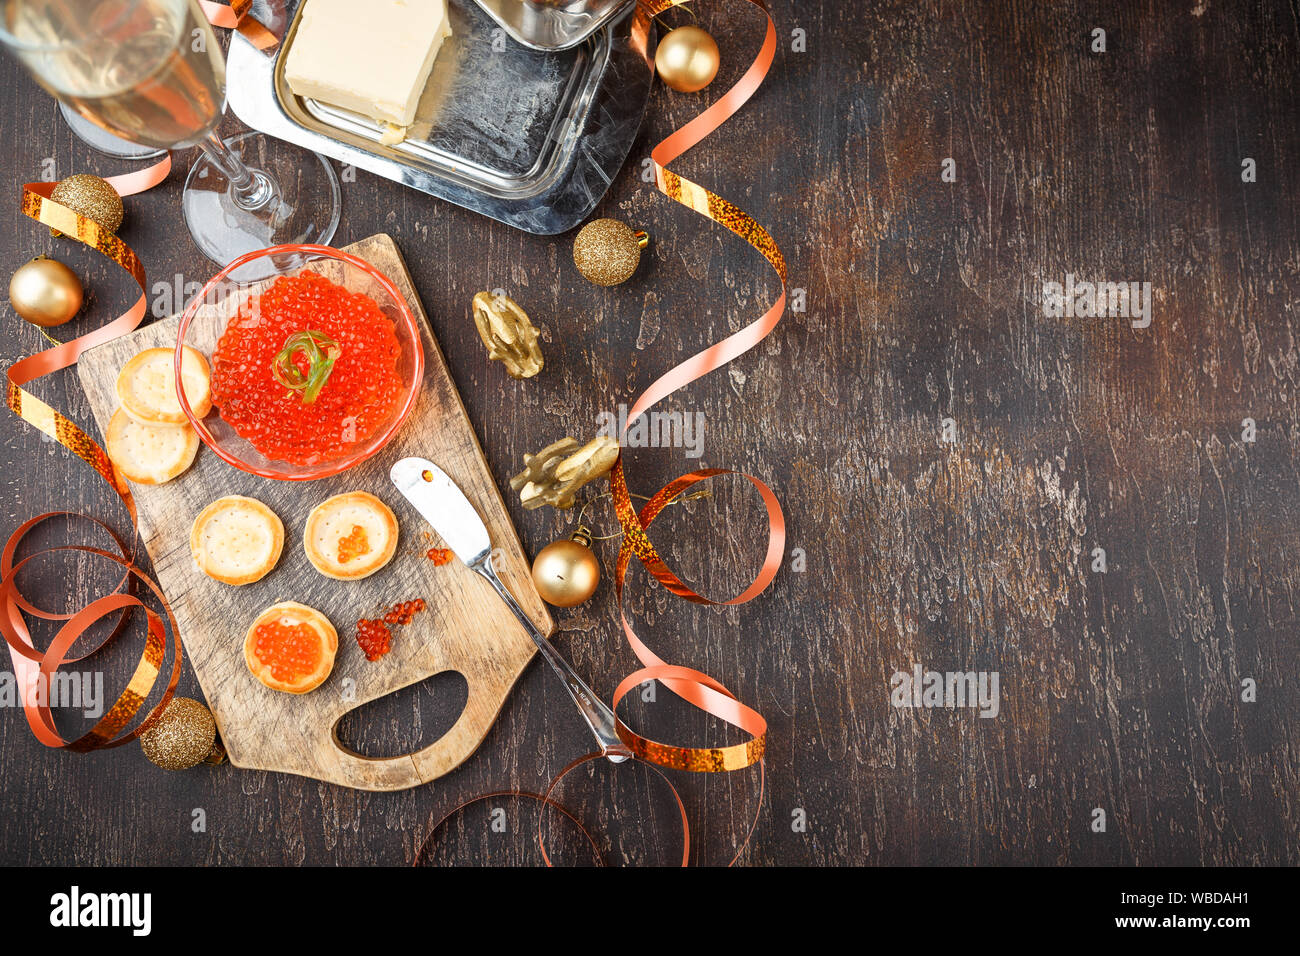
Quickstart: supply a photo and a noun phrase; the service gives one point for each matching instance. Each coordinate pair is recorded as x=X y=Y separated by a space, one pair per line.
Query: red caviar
x=360 y=396
x=375 y=638
x=354 y=544
x=291 y=650
x=404 y=613
x=439 y=556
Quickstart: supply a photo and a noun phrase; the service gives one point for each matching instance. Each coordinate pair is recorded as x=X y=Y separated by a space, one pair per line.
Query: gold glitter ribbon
x=32 y=666
x=696 y=687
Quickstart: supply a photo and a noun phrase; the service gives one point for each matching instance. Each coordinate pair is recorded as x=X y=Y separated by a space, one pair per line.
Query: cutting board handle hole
x=406 y=720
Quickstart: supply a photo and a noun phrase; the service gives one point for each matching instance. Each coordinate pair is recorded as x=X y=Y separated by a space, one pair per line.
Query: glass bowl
x=205 y=319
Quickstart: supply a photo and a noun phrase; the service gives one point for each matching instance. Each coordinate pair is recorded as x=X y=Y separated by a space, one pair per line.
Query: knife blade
x=440 y=502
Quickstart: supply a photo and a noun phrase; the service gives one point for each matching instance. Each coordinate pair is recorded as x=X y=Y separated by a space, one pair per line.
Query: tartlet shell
x=148 y=414
x=301 y=613
x=201 y=556
x=147 y=472
x=327 y=564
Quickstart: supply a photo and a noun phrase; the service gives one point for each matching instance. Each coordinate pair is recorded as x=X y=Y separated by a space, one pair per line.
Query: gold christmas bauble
x=93 y=197
x=45 y=292
x=186 y=735
x=566 y=572
x=687 y=59
x=607 y=251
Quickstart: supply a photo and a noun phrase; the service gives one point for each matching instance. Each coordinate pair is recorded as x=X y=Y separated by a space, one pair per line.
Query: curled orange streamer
x=697 y=688
x=235 y=16
x=37 y=204
x=549 y=802
x=423 y=850
x=30 y=664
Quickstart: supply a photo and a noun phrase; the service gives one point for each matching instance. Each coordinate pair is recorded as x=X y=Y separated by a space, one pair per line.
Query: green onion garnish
x=321 y=351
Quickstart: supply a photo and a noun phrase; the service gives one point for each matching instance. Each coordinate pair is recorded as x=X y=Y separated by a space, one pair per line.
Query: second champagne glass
x=102 y=141
x=152 y=72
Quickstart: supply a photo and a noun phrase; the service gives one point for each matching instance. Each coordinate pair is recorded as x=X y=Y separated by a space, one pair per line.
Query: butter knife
x=440 y=502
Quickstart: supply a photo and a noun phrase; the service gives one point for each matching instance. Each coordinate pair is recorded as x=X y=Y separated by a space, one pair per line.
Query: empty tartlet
x=236 y=540
x=149 y=454
x=146 y=386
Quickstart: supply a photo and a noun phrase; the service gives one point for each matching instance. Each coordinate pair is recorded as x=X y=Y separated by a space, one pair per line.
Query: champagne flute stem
x=250 y=189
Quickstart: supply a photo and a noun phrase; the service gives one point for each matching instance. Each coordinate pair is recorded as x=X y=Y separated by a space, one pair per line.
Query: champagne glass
x=102 y=141
x=152 y=72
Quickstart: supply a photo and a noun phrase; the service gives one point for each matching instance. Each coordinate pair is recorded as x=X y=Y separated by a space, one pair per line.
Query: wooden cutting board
x=465 y=628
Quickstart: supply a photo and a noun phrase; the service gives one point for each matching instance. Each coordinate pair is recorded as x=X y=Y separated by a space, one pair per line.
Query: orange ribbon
x=235 y=16
x=548 y=801
x=422 y=851
x=38 y=205
x=696 y=687
x=31 y=665
x=34 y=669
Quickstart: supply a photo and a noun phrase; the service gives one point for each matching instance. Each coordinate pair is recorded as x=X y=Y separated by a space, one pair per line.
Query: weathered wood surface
x=465 y=627
x=1119 y=691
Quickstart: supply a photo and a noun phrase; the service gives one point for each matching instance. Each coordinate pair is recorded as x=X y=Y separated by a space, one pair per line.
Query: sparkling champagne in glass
x=152 y=72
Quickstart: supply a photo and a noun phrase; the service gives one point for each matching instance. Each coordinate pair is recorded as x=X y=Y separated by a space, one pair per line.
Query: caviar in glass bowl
x=313 y=370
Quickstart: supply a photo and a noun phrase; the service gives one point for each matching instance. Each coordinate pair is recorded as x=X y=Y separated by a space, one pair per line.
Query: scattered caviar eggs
x=404 y=613
x=362 y=393
x=375 y=636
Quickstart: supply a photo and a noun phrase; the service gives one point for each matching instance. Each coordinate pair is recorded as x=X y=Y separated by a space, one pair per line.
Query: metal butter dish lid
x=553 y=24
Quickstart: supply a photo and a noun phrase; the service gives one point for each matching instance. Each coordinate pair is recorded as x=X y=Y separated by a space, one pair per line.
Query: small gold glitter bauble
x=566 y=572
x=607 y=251
x=687 y=59
x=45 y=292
x=93 y=197
x=184 y=736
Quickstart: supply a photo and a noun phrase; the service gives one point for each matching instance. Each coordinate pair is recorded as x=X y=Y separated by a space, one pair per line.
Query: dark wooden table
x=1119 y=690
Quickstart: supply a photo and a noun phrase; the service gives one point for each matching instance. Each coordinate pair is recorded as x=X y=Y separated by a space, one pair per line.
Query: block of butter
x=370 y=57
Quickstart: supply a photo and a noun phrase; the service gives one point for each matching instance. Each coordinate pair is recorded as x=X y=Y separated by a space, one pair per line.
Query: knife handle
x=598 y=717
